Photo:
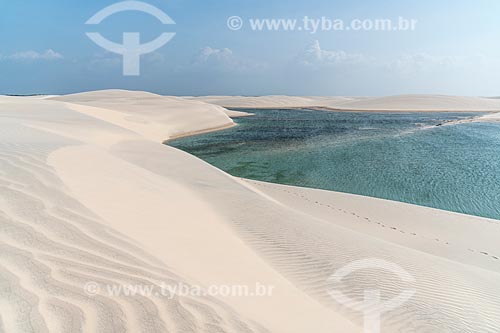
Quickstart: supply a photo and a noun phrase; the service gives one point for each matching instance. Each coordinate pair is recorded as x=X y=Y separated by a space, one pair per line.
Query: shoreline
x=200 y=132
x=472 y=119
x=404 y=111
x=417 y=103
x=106 y=201
x=327 y=109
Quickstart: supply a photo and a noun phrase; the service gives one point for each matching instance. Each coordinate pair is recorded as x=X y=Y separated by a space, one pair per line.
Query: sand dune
x=154 y=117
x=423 y=103
x=89 y=194
x=52 y=245
x=273 y=101
x=392 y=103
x=255 y=102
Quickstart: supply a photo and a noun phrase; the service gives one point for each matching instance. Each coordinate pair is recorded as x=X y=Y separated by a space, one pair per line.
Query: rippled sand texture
x=51 y=246
x=89 y=194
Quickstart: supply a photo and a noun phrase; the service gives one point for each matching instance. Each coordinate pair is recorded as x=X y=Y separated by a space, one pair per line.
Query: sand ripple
x=51 y=246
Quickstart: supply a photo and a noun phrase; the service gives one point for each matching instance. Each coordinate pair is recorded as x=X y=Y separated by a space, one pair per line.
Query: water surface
x=405 y=157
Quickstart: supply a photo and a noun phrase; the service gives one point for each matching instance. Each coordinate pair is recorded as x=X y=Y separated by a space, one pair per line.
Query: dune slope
x=52 y=246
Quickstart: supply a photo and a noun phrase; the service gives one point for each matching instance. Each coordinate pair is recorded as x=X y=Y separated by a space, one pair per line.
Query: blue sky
x=454 y=49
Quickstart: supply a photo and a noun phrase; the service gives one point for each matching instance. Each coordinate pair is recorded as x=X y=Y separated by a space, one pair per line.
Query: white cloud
x=222 y=60
x=413 y=66
x=211 y=55
x=315 y=55
x=47 y=55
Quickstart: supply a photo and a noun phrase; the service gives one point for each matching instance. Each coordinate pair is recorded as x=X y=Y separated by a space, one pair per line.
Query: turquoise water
x=404 y=157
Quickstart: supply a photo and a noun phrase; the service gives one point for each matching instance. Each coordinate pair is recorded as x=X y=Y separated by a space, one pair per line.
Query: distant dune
x=392 y=103
x=256 y=102
x=89 y=194
x=423 y=103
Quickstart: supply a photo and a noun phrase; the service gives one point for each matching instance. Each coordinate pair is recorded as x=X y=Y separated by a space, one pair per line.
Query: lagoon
x=409 y=157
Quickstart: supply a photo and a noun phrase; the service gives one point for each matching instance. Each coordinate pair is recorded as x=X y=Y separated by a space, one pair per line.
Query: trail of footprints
x=368 y=220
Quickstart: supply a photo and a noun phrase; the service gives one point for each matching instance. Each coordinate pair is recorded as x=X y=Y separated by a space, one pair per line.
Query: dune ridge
x=427 y=103
x=89 y=193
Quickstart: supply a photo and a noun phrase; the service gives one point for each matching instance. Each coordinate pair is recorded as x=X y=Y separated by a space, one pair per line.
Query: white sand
x=273 y=101
x=89 y=193
x=490 y=117
x=392 y=103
